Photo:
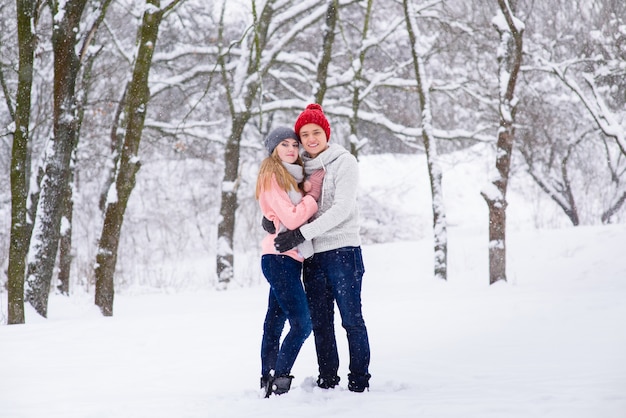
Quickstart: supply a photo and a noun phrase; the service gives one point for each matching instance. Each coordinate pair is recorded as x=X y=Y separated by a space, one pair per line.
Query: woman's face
x=288 y=150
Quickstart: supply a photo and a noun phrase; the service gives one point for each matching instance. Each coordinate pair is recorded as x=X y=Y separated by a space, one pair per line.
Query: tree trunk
x=65 y=242
x=229 y=205
x=606 y=215
x=430 y=145
x=241 y=114
x=117 y=142
x=26 y=21
x=46 y=231
x=327 y=49
x=119 y=193
x=67 y=224
x=355 y=144
x=497 y=239
x=509 y=62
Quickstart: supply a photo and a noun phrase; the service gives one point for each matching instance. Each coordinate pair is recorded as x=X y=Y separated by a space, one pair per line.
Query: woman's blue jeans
x=336 y=276
x=286 y=301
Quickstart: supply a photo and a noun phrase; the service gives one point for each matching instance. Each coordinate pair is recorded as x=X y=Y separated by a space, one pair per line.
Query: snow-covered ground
x=550 y=342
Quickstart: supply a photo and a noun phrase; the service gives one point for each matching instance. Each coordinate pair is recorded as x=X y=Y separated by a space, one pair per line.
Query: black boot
x=278 y=385
x=358 y=383
x=264 y=382
x=327 y=382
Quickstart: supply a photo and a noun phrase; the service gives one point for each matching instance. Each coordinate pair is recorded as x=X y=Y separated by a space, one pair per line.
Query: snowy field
x=550 y=342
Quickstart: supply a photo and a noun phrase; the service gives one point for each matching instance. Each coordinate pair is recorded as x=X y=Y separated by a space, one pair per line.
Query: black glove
x=287 y=240
x=268 y=226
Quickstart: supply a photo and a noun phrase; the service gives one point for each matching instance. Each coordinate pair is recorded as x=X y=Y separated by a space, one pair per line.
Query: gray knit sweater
x=336 y=223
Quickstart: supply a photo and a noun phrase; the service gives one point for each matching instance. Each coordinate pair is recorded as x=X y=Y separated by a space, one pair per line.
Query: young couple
x=313 y=231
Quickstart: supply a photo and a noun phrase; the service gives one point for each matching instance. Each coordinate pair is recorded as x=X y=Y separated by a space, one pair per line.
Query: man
x=334 y=273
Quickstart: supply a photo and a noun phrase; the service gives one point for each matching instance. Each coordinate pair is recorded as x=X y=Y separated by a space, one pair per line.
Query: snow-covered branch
x=594 y=103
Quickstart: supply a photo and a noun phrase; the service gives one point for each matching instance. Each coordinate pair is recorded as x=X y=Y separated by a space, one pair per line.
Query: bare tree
x=138 y=95
x=430 y=145
x=57 y=172
x=557 y=186
x=575 y=99
x=27 y=17
x=88 y=57
x=509 y=61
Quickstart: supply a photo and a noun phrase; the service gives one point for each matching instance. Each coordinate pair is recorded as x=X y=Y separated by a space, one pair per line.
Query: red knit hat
x=313 y=113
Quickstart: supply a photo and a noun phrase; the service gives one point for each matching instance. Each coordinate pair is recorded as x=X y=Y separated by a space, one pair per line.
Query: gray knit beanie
x=277 y=136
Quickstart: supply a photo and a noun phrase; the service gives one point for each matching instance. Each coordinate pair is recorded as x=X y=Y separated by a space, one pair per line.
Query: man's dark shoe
x=327 y=382
x=358 y=383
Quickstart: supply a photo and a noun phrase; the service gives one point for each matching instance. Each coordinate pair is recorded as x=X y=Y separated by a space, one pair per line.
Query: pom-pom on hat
x=277 y=136
x=313 y=113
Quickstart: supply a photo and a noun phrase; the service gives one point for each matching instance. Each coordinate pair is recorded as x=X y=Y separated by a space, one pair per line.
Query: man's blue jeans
x=336 y=276
x=286 y=301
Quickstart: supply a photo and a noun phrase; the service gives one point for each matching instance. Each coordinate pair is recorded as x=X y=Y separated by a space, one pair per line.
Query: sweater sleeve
x=275 y=203
x=345 y=199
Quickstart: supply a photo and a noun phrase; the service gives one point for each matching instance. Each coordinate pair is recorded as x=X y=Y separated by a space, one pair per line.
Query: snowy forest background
x=181 y=93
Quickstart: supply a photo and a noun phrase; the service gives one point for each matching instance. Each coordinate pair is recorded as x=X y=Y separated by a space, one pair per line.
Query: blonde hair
x=272 y=166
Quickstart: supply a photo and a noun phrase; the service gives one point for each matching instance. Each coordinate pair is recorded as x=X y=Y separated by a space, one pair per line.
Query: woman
x=279 y=191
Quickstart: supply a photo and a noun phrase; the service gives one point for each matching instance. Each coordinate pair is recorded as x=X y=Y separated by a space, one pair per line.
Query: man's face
x=313 y=139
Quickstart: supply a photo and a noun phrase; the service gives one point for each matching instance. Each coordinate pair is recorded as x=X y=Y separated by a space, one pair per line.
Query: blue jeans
x=336 y=276
x=286 y=301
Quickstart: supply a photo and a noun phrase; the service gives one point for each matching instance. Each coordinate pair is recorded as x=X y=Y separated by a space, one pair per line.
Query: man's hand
x=287 y=240
x=268 y=226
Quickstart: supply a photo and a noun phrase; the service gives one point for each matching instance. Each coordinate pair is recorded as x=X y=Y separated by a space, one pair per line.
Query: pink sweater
x=277 y=207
